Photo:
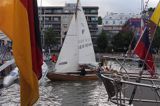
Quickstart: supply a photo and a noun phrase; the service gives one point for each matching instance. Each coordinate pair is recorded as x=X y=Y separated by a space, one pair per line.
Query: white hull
x=10 y=79
x=14 y=75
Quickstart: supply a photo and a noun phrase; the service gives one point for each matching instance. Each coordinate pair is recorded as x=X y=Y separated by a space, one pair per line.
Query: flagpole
x=141 y=72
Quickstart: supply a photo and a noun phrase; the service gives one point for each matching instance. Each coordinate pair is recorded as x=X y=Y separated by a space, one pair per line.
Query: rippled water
x=76 y=93
x=88 y=93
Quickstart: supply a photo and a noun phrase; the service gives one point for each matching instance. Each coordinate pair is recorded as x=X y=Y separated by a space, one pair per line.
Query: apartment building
x=59 y=17
x=114 y=22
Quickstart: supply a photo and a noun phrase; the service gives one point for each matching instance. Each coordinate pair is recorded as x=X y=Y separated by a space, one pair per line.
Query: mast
x=76 y=9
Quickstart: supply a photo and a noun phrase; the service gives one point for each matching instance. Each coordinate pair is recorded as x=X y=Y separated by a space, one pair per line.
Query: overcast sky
x=119 y=6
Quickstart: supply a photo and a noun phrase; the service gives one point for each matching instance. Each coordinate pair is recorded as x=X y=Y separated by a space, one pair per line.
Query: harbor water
x=64 y=93
x=88 y=93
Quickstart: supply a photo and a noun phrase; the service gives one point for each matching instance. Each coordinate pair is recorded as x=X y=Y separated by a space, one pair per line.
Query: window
x=94 y=18
x=120 y=22
x=114 y=22
x=56 y=19
x=106 y=22
x=93 y=11
x=58 y=11
x=47 y=11
x=47 y=18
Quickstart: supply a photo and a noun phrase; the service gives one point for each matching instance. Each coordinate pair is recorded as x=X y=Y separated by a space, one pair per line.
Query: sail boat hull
x=72 y=76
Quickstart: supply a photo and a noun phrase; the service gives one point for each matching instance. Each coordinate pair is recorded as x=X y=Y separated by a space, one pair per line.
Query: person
x=54 y=58
x=83 y=72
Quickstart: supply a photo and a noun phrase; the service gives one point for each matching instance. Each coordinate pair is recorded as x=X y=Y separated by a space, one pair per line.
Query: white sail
x=68 y=57
x=86 y=51
x=77 y=47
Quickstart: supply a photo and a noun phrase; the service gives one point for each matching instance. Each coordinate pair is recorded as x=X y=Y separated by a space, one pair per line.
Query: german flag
x=19 y=21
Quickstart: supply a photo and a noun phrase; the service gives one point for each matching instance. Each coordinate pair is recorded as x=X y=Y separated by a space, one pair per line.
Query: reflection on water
x=90 y=93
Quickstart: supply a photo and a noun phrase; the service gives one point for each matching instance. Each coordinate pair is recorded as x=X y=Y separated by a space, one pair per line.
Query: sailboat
x=77 y=50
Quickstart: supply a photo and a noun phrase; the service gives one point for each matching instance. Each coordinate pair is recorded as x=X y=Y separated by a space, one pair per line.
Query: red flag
x=142 y=51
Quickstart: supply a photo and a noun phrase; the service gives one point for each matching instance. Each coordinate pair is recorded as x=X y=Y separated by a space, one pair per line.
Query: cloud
x=119 y=6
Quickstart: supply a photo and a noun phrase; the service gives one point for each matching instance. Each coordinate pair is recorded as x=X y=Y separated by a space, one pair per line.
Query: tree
x=102 y=42
x=50 y=40
x=99 y=20
x=122 y=40
x=156 y=40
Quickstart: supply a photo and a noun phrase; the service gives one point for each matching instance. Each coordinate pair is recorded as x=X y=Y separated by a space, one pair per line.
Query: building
x=114 y=22
x=59 y=17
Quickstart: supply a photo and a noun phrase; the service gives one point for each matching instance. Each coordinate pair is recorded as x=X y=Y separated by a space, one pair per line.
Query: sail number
x=85 y=45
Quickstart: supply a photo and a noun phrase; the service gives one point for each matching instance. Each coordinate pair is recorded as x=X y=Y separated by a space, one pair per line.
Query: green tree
x=102 y=42
x=99 y=20
x=50 y=40
x=156 y=40
x=121 y=41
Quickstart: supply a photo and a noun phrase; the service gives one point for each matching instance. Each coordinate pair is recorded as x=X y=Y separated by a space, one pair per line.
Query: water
x=88 y=93
x=75 y=93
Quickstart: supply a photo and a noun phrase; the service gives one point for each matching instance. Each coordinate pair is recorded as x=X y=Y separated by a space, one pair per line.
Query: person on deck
x=83 y=72
x=54 y=58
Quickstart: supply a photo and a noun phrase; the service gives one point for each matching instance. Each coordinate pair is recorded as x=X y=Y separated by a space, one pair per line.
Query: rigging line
x=128 y=52
x=129 y=47
x=141 y=72
x=142 y=6
x=146 y=5
x=149 y=47
x=155 y=91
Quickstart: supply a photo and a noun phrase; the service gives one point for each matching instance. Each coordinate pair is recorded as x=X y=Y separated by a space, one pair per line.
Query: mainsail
x=86 y=51
x=77 y=47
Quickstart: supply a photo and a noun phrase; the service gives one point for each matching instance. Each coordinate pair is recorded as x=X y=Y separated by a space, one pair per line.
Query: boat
x=11 y=78
x=14 y=75
x=77 y=52
x=138 y=87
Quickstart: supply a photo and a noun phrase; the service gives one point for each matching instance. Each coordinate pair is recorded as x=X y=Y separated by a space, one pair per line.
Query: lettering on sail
x=63 y=63
x=84 y=43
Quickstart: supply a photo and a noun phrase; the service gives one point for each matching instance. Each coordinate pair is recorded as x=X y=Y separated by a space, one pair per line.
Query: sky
x=116 y=6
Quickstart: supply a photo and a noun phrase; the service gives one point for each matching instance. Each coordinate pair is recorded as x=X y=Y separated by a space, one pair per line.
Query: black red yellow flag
x=19 y=21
